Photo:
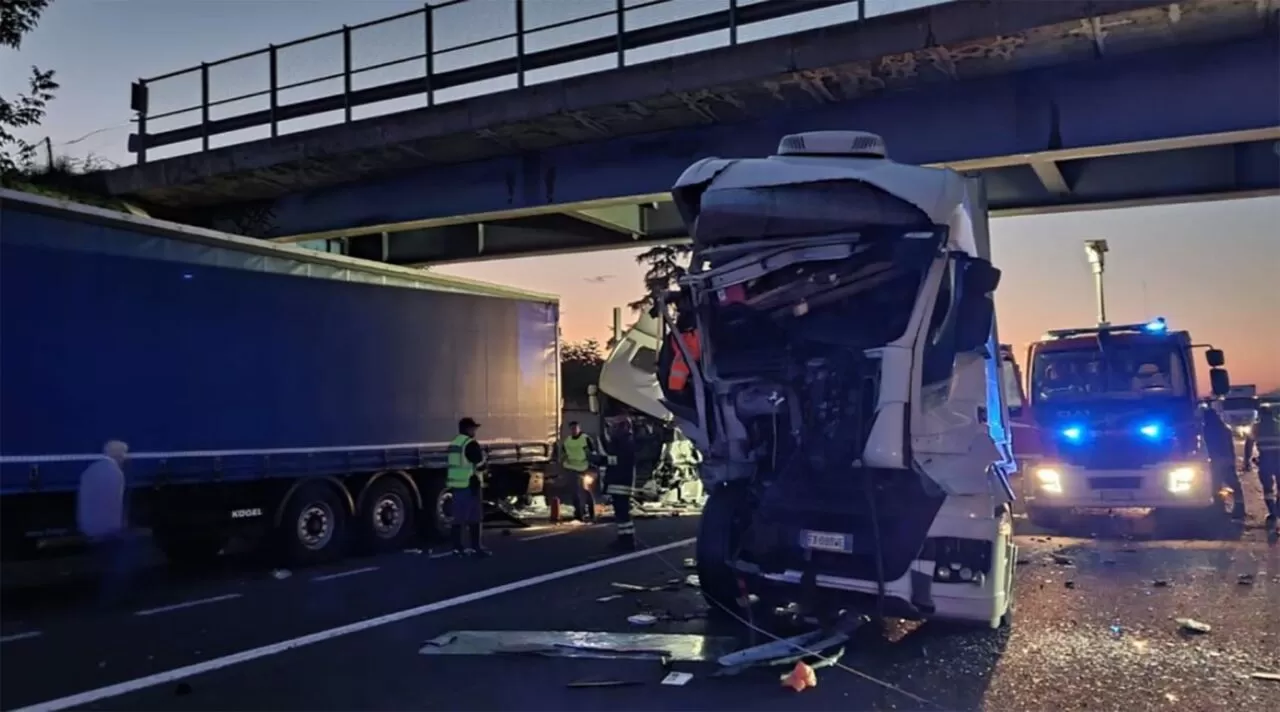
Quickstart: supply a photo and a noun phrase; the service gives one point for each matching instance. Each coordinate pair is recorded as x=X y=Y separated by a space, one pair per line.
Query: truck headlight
x=1050 y=480
x=1180 y=479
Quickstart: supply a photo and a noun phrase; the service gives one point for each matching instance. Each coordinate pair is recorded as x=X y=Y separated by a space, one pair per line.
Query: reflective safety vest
x=575 y=453
x=678 y=377
x=460 y=469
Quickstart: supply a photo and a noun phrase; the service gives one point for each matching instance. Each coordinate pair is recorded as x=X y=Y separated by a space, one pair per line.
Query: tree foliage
x=580 y=363
x=17 y=18
x=666 y=265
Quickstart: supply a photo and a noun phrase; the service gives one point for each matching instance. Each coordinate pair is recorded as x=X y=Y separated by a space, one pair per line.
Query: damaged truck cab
x=844 y=384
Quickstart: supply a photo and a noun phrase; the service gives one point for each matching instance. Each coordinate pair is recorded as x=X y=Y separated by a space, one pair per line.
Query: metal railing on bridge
x=427 y=76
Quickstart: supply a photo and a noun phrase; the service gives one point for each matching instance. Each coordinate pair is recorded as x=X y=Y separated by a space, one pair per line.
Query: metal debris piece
x=413 y=551
x=1268 y=676
x=611 y=597
x=631 y=587
x=1191 y=625
x=578 y=644
x=691 y=563
x=642 y=619
x=1245 y=579
x=603 y=683
x=693 y=581
x=281 y=574
x=1061 y=560
x=677 y=678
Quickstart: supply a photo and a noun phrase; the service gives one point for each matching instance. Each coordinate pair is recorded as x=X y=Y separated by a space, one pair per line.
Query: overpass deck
x=1060 y=106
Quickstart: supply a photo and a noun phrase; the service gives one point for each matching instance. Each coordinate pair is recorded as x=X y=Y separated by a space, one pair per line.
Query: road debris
x=579 y=684
x=1061 y=560
x=1160 y=583
x=642 y=619
x=1191 y=625
x=633 y=587
x=1268 y=676
x=580 y=644
x=801 y=677
x=611 y=597
x=678 y=679
x=691 y=563
x=413 y=551
x=1245 y=579
x=281 y=574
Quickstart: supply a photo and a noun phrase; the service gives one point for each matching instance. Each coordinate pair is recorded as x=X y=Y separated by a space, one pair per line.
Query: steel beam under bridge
x=1159 y=102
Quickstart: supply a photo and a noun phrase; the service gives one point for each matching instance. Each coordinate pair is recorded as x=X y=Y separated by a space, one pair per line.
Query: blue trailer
x=305 y=395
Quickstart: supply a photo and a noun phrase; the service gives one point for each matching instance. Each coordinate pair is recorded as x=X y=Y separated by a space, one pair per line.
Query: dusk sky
x=1213 y=268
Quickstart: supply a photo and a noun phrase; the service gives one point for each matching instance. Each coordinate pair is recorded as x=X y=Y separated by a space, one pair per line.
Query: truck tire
x=436 y=510
x=719 y=539
x=187 y=548
x=387 y=515
x=313 y=528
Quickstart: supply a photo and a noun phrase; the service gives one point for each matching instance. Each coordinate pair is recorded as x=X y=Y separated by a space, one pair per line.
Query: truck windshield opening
x=1121 y=372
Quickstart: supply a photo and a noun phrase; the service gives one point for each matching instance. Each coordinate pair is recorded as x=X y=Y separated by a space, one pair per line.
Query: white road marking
x=20 y=636
x=344 y=574
x=187 y=604
x=560 y=532
x=123 y=688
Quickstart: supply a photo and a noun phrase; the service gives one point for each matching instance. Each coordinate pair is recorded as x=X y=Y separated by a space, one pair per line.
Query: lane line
x=187 y=604
x=21 y=636
x=344 y=574
x=561 y=532
x=89 y=697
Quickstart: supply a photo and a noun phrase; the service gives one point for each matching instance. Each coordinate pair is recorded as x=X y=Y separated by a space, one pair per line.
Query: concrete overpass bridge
x=1063 y=105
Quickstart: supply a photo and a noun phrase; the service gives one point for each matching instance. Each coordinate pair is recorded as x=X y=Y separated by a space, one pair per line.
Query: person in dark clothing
x=620 y=480
x=1265 y=441
x=464 y=479
x=1222 y=458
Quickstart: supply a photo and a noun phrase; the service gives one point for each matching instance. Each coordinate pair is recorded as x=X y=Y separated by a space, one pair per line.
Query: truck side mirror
x=976 y=308
x=593 y=398
x=1216 y=358
x=1219 y=381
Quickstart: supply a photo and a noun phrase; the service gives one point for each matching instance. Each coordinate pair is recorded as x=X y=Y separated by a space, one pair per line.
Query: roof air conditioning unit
x=848 y=144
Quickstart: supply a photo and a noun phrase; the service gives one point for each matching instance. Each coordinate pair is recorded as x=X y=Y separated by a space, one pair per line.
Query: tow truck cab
x=1119 y=421
x=848 y=392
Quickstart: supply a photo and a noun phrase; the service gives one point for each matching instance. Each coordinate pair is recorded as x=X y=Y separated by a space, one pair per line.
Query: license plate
x=1117 y=496
x=827 y=541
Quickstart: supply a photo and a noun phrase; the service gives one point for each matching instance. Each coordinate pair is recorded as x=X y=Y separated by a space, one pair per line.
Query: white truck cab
x=847 y=391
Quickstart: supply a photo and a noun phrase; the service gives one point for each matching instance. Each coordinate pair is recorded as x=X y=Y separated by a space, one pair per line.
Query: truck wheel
x=387 y=515
x=719 y=539
x=314 y=526
x=186 y=547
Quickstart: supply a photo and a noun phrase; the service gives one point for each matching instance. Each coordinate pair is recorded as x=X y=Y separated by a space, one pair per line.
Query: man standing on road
x=576 y=452
x=620 y=481
x=463 y=478
x=1222 y=458
x=1265 y=440
x=102 y=515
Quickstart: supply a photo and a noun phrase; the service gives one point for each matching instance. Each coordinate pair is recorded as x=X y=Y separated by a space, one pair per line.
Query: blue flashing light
x=1074 y=433
x=1151 y=430
x=1157 y=326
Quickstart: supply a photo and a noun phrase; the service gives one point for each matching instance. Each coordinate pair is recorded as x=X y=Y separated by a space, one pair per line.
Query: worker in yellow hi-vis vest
x=463 y=478
x=576 y=453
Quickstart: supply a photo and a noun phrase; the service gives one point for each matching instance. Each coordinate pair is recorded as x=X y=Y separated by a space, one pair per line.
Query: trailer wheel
x=314 y=526
x=719 y=538
x=185 y=547
x=387 y=515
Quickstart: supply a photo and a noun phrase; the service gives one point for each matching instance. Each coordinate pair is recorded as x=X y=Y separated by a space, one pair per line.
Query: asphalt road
x=1093 y=630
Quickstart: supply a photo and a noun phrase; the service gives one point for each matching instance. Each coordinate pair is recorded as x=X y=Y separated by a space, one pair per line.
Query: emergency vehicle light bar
x=1156 y=326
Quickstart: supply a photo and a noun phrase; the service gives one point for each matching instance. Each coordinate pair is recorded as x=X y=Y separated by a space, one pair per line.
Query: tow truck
x=1120 y=423
x=848 y=396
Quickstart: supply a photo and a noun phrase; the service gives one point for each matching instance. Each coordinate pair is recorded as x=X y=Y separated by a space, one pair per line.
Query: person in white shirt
x=101 y=514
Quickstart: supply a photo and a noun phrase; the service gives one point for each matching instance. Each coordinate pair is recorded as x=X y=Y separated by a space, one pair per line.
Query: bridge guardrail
x=429 y=80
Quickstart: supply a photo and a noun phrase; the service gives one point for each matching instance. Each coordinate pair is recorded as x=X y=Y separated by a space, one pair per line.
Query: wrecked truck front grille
x=791 y=510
